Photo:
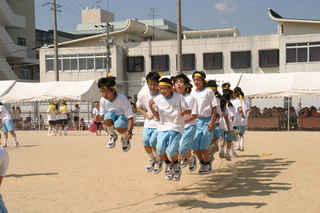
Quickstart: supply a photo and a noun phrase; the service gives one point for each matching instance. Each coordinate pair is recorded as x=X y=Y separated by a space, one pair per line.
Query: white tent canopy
x=5 y=86
x=52 y=91
x=305 y=84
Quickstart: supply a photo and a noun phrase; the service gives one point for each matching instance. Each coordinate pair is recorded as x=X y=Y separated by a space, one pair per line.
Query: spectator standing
x=7 y=126
x=76 y=114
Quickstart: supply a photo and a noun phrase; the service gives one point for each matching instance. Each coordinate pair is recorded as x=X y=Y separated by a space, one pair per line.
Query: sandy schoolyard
x=277 y=172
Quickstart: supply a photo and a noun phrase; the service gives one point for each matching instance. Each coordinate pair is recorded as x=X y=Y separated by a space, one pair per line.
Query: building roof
x=275 y=16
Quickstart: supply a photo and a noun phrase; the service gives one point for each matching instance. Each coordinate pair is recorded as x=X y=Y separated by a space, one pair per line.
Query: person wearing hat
x=52 y=119
x=117 y=113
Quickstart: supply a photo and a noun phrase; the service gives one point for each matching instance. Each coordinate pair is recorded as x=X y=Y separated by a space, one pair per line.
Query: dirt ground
x=277 y=172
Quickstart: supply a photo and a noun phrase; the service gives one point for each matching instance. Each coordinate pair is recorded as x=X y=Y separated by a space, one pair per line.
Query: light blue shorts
x=241 y=128
x=216 y=132
x=203 y=137
x=186 y=139
x=7 y=126
x=119 y=121
x=168 y=139
x=226 y=135
x=149 y=137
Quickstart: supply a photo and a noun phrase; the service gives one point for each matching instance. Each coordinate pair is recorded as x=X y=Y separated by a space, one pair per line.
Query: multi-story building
x=295 y=48
x=17 y=41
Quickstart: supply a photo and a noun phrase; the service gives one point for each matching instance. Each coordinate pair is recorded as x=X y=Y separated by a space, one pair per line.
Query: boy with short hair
x=117 y=113
x=150 y=131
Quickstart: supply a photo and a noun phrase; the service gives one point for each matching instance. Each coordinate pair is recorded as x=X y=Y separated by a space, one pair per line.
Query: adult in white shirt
x=117 y=113
x=150 y=132
x=169 y=108
x=7 y=126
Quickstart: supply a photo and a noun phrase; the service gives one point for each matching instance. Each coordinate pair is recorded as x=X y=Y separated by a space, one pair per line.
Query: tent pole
x=288 y=111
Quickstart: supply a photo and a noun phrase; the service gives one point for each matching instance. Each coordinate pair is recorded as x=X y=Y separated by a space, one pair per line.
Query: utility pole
x=153 y=15
x=55 y=65
x=179 y=42
x=108 y=43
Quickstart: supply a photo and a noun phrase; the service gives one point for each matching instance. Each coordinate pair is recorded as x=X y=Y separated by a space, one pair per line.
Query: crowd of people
x=183 y=126
x=282 y=113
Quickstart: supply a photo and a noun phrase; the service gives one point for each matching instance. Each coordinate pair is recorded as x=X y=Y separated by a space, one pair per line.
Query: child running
x=242 y=107
x=183 y=87
x=150 y=131
x=226 y=123
x=207 y=104
x=117 y=113
x=169 y=108
x=7 y=126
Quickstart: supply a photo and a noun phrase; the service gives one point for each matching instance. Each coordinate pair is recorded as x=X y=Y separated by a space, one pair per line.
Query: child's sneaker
x=126 y=145
x=221 y=155
x=168 y=169
x=193 y=164
x=112 y=141
x=16 y=144
x=176 y=177
x=227 y=156
x=176 y=169
x=158 y=167
x=150 y=166
x=183 y=163
x=234 y=154
x=200 y=171
x=207 y=169
x=169 y=177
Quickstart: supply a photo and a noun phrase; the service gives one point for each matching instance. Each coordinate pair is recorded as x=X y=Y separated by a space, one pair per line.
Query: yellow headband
x=226 y=87
x=213 y=88
x=152 y=80
x=180 y=79
x=165 y=84
x=105 y=87
x=199 y=75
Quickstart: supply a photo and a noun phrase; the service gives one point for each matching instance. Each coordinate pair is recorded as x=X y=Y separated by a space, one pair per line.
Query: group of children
x=182 y=126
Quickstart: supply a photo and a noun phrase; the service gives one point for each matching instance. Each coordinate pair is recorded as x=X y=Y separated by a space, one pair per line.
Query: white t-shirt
x=4 y=161
x=119 y=106
x=95 y=111
x=143 y=101
x=238 y=120
x=5 y=115
x=52 y=115
x=63 y=115
x=192 y=103
x=230 y=111
x=168 y=109
x=76 y=112
x=206 y=100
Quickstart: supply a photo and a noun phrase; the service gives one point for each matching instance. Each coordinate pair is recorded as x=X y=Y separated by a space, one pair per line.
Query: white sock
x=49 y=128
x=221 y=148
x=15 y=139
x=111 y=130
x=242 y=141
x=155 y=153
x=191 y=158
x=237 y=140
x=151 y=156
x=5 y=141
x=227 y=151
x=65 y=130
x=124 y=138
x=60 y=129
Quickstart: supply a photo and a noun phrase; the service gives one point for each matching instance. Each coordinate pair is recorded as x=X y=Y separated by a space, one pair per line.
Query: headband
x=199 y=75
x=105 y=87
x=165 y=84
x=180 y=79
x=226 y=87
x=213 y=88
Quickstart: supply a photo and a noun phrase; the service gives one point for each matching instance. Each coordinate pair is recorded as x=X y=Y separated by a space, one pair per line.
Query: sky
x=249 y=16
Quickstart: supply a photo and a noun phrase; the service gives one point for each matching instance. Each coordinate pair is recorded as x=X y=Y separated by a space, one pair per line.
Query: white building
x=295 y=48
x=17 y=41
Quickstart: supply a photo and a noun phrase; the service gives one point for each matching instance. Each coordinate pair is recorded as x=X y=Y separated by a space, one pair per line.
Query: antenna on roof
x=153 y=15
x=98 y=4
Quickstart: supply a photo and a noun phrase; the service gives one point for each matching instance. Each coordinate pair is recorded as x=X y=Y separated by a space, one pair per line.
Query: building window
x=26 y=73
x=22 y=41
x=85 y=62
x=269 y=58
x=160 y=63
x=135 y=64
x=241 y=59
x=188 y=62
x=212 y=60
x=303 y=52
